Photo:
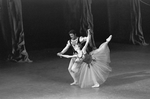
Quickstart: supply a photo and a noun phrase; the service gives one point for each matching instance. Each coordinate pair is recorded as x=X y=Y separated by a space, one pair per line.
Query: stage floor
x=47 y=76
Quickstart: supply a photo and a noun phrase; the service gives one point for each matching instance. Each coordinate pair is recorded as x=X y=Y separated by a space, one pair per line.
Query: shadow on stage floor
x=47 y=76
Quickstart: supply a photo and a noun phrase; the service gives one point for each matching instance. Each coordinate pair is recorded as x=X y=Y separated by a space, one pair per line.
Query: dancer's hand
x=88 y=30
x=59 y=54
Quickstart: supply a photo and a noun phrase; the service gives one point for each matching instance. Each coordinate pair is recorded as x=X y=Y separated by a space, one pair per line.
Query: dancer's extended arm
x=65 y=49
x=87 y=41
x=68 y=56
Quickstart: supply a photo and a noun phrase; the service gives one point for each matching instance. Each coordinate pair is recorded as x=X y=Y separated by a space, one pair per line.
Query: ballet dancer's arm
x=65 y=49
x=87 y=41
x=68 y=56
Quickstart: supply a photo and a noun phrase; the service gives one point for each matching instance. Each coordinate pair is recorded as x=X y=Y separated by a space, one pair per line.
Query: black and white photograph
x=74 y=49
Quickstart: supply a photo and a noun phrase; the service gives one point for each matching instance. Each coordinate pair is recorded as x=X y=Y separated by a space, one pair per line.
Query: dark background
x=44 y=22
x=145 y=11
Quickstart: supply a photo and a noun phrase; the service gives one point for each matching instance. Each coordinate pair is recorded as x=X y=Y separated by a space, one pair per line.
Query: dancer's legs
x=73 y=69
x=103 y=45
x=96 y=84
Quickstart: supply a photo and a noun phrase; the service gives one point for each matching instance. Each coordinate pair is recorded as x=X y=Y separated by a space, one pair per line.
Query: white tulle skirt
x=96 y=69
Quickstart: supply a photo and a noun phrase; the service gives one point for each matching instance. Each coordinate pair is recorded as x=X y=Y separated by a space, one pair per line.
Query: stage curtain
x=72 y=15
x=12 y=30
x=86 y=20
x=78 y=16
x=136 y=35
x=125 y=21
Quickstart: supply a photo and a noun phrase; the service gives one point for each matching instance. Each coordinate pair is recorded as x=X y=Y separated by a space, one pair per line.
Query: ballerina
x=94 y=66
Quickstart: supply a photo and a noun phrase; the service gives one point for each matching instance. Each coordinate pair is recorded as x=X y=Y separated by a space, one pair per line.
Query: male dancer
x=74 y=42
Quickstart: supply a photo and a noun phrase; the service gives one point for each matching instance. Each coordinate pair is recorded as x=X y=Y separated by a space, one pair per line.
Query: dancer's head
x=78 y=47
x=72 y=34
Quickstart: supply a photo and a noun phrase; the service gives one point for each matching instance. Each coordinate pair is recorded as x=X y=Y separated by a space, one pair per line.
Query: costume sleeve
x=66 y=47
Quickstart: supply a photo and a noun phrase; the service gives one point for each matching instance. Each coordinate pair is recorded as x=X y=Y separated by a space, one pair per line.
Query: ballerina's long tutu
x=95 y=67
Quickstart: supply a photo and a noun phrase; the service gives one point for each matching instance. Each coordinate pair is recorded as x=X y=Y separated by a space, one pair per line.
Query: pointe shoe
x=74 y=83
x=109 y=38
x=95 y=86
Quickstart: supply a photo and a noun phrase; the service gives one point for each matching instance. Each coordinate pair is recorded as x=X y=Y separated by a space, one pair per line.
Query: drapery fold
x=86 y=20
x=72 y=15
x=136 y=35
x=79 y=16
x=12 y=29
x=125 y=21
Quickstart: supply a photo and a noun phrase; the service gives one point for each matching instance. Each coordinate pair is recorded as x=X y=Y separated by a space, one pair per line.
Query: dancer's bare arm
x=87 y=41
x=68 y=56
x=65 y=49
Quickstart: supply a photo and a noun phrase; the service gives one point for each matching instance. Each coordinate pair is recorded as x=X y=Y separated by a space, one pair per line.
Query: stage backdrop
x=49 y=19
x=48 y=22
x=125 y=21
x=12 y=32
x=45 y=23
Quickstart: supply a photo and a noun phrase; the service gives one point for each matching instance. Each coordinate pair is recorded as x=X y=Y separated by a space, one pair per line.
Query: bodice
x=87 y=58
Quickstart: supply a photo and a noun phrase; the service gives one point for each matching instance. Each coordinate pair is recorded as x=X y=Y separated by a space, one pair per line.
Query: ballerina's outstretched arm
x=87 y=42
x=68 y=56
